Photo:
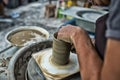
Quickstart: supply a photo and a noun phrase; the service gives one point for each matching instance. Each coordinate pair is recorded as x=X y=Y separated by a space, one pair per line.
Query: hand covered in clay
x=73 y=34
x=67 y=32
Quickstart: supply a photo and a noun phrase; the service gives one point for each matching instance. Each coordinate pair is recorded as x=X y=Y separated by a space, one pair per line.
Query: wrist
x=76 y=35
x=80 y=39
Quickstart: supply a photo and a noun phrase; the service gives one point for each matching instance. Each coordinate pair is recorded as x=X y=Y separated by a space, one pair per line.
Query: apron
x=100 y=39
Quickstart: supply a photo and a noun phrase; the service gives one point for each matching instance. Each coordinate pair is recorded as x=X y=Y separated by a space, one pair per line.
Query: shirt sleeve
x=113 y=22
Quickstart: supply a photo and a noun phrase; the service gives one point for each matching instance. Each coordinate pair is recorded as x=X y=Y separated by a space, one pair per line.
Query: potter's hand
x=71 y=34
x=66 y=33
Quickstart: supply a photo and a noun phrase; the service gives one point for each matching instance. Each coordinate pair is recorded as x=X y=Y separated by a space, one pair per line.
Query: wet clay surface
x=23 y=36
x=61 y=51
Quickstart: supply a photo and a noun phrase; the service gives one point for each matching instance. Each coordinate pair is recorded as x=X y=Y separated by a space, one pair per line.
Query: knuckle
x=81 y=30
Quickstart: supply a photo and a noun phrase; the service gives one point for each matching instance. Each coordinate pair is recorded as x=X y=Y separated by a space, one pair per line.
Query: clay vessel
x=61 y=51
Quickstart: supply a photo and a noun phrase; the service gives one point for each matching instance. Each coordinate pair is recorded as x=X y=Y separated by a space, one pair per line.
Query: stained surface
x=24 y=37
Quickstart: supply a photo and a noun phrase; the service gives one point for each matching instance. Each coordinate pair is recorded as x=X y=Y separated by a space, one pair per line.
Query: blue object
x=71 y=22
x=15 y=15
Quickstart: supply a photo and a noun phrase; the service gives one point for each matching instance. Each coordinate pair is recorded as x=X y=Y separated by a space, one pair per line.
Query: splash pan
x=26 y=35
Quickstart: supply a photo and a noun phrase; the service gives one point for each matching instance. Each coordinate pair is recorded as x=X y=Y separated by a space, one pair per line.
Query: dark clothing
x=113 y=22
x=100 y=39
x=0 y=1
x=111 y=28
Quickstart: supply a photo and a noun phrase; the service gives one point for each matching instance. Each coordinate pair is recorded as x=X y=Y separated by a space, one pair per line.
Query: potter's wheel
x=56 y=63
x=18 y=63
x=53 y=71
x=34 y=73
x=89 y=15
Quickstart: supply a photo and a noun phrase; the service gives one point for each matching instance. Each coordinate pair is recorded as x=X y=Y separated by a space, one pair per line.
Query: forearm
x=90 y=63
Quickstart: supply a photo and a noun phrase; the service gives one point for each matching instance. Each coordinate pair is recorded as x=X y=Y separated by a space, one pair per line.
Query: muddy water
x=24 y=36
